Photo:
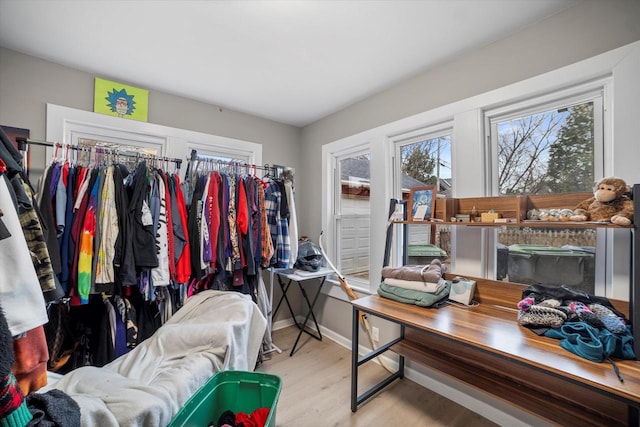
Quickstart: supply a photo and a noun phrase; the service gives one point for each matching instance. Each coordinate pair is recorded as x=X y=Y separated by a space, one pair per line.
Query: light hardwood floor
x=316 y=383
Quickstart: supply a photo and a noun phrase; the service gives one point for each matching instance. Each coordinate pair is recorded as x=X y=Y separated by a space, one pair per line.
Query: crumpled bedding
x=213 y=331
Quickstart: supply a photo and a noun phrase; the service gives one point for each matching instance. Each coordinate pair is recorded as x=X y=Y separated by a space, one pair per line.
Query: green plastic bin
x=550 y=265
x=237 y=391
x=424 y=254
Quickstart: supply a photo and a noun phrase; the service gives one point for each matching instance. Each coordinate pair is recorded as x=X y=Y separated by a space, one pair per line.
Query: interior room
x=468 y=139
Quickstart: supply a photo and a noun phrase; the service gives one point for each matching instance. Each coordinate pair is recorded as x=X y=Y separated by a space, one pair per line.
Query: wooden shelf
x=514 y=208
x=525 y=223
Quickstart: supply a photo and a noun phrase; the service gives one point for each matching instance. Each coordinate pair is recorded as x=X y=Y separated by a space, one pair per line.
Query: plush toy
x=610 y=203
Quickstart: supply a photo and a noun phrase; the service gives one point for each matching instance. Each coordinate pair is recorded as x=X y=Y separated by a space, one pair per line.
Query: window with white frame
x=549 y=147
x=424 y=158
x=350 y=218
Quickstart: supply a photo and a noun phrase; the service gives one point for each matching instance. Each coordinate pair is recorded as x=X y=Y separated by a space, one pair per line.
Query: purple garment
x=55 y=177
x=206 y=239
x=121 y=336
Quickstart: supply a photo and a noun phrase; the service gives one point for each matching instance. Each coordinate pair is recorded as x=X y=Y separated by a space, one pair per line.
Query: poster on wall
x=120 y=100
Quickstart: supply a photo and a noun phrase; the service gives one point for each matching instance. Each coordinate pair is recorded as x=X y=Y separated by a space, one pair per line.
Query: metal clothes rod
x=23 y=142
x=206 y=159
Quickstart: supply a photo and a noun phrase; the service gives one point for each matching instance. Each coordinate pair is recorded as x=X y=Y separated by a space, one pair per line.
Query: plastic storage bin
x=424 y=254
x=237 y=391
x=550 y=265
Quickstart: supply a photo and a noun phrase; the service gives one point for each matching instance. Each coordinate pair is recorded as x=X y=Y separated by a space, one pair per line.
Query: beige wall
x=27 y=84
x=590 y=28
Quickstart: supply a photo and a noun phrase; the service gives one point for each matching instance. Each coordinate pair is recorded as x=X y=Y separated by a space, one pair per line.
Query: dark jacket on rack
x=123 y=261
x=142 y=232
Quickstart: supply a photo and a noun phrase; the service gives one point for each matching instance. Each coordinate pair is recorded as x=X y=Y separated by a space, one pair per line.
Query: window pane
x=427 y=162
x=547 y=152
x=548 y=256
x=353 y=216
x=127 y=153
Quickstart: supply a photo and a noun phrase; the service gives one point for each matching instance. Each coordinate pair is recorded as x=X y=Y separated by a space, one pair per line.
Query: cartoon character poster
x=117 y=99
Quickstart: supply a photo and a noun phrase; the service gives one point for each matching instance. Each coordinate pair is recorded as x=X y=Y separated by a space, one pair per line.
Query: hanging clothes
x=293 y=222
x=277 y=212
x=142 y=234
x=108 y=220
x=22 y=298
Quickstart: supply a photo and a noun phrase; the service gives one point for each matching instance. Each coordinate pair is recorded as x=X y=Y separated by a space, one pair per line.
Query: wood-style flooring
x=316 y=383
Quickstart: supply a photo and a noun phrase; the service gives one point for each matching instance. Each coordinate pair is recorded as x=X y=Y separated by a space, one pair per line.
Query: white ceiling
x=289 y=61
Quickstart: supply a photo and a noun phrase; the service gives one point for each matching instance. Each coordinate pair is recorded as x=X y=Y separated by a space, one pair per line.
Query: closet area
x=119 y=241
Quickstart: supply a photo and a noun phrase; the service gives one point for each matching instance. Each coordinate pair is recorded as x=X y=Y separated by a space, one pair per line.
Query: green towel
x=409 y=296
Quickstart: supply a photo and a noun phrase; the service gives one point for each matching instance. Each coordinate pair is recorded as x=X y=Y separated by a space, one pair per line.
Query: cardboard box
x=489 y=216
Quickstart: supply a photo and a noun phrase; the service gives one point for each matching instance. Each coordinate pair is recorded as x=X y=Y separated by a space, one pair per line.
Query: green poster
x=117 y=99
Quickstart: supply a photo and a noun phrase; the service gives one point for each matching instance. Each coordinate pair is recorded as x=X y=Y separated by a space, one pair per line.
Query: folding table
x=285 y=278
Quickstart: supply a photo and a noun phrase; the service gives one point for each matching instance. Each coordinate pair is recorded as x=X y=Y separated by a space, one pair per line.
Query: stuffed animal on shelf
x=610 y=203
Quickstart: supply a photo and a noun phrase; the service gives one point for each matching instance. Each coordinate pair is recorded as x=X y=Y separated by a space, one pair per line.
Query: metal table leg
x=310 y=313
x=284 y=297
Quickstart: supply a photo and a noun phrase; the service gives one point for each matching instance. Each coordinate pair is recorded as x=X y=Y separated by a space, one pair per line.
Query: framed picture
x=422 y=202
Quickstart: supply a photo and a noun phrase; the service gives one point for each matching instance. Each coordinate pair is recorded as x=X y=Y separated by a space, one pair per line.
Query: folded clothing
x=424 y=273
x=408 y=296
x=417 y=285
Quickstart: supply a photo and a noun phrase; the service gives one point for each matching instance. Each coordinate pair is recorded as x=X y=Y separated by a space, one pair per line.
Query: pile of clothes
x=51 y=409
x=422 y=285
x=257 y=418
x=585 y=324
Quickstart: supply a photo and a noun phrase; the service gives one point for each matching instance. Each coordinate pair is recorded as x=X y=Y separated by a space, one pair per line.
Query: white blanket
x=213 y=331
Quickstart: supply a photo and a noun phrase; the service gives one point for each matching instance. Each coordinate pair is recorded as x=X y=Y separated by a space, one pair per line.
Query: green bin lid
x=523 y=249
x=425 y=250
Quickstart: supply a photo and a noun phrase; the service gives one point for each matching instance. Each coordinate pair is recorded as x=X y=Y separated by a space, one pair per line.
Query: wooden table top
x=495 y=329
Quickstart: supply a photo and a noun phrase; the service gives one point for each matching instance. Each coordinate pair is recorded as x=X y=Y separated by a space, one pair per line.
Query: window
x=424 y=158
x=352 y=214
x=551 y=148
x=550 y=151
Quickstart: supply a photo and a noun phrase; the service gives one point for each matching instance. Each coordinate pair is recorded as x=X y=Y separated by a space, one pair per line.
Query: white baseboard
x=473 y=399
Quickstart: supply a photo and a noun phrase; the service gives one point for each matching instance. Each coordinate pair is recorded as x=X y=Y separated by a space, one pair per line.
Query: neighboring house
x=355 y=175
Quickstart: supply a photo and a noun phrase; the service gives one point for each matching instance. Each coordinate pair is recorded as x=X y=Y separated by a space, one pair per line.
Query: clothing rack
x=24 y=142
x=273 y=170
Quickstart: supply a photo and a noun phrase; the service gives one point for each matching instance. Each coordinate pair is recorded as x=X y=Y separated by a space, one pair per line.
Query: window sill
x=333 y=289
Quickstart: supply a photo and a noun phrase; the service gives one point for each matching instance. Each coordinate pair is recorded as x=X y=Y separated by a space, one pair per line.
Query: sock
x=612 y=322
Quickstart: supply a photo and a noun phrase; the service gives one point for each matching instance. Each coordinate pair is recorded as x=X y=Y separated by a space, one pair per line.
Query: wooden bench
x=485 y=347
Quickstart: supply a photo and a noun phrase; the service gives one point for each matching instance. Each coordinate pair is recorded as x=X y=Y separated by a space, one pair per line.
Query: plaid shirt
x=278 y=226
x=266 y=244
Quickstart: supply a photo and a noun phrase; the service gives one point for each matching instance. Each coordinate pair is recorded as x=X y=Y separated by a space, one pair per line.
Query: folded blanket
x=423 y=273
x=408 y=296
x=417 y=285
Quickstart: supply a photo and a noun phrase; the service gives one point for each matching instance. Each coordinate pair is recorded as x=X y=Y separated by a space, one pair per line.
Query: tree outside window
x=549 y=152
x=543 y=153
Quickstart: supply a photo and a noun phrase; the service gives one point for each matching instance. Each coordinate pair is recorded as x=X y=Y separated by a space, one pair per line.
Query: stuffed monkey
x=610 y=203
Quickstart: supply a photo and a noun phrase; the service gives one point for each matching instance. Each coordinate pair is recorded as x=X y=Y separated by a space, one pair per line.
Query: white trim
x=333 y=192
x=65 y=124
x=593 y=91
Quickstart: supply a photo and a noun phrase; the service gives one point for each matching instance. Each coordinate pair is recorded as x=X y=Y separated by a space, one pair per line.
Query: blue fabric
x=591 y=343
x=121 y=335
